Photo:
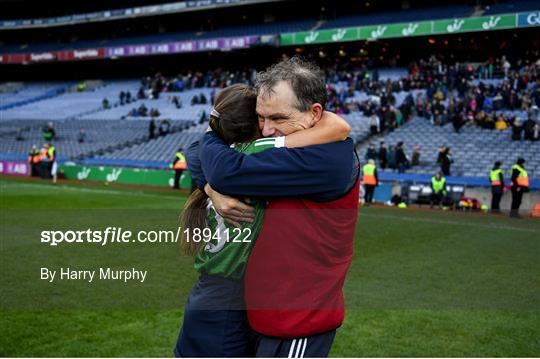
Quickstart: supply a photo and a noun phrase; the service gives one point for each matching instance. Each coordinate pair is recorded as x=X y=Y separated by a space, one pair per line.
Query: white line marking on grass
x=92 y=190
x=456 y=223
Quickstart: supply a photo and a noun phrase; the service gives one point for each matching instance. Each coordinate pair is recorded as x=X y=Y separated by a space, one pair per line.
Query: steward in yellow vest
x=34 y=157
x=519 y=185
x=438 y=189
x=370 y=180
x=497 y=186
x=179 y=165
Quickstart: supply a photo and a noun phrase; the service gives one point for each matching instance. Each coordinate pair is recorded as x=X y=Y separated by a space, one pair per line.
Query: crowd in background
x=462 y=94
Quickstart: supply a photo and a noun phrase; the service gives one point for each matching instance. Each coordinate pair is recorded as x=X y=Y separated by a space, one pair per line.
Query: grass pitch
x=423 y=283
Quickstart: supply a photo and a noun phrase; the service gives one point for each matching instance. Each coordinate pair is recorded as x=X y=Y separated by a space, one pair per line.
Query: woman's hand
x=231 y=209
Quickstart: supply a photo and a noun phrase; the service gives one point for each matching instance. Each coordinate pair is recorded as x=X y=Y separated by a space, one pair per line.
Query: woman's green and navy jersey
x=225 y=254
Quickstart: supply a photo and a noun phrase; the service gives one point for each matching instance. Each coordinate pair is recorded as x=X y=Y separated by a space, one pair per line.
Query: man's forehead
x=279 y=97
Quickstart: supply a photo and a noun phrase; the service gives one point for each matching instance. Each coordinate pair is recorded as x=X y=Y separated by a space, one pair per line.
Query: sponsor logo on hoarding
x=311 y=37
x=83 y=174
x=14 y=168
x=208 y=45
x=339 y=35
x=456 y=26
x=81 y=54
x=116 y=51
x=46 y=56
x=184 y=46
x=491 y=23
x=533 y=18
x=237 y=42
x=113 y=176
x=409 y=29
x=160 y=49
x=138 y=50
x=375 y=34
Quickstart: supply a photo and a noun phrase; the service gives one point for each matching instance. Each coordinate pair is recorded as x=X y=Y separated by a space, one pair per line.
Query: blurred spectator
x=202 y=116
x=202 y=99
x=402 y=162
x=151 y=129
x=528 y=128
x=374 y=126
x=446 y=161
x=140 y=94
x=392 y=157
x=517 y=128
x=415 y=160
x=154 y=112
x=536 y=133
x=105 y=104
x=501 y=125
x=142 y=110
x=48 y=132
x=19 y=136
x=440 y=154
x=177 y=102
x=122 y=97
x=164 y=127
x=458 y=120
x=371 y=153
x=506 y=66
x=128 y=97
x=82 y=135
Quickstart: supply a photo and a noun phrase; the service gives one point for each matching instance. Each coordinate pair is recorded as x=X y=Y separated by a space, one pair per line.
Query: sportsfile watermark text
x=118 y=235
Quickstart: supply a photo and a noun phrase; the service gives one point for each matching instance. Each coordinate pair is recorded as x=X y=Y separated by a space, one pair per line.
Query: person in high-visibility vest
x=53 y=166
x=519 y=185
x=497 y=186
x=179 y=165
x=438 y=189
x=370 y=180
x=44 y=162
x=33 y=161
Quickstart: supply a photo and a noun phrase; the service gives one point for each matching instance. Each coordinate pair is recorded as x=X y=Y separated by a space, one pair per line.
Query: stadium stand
x=431 y=13
x=101 y=136
x=70 y=104
x=511 y=6
x=158 y=152
x=128 y=139
x=474 y=149
x=31 y=93
x=163 y=104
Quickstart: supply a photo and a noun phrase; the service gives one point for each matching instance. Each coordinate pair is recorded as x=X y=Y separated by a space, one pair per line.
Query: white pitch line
x=456 y=223
x=110 y=192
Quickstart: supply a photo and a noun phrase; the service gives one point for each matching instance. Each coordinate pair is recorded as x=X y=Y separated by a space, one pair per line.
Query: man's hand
x=231 y=209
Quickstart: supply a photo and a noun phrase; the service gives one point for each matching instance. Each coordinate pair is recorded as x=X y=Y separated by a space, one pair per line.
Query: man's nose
x=268 y=129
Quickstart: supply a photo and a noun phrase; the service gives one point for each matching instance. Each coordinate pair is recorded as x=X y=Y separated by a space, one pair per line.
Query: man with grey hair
x=296 y=270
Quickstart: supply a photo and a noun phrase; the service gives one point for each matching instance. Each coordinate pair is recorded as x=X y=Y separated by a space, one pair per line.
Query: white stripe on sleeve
x=292 y=348
x=303 y=348
x=300 y=341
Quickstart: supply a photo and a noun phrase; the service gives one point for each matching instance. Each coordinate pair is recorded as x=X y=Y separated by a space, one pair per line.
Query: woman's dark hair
x=235 y=121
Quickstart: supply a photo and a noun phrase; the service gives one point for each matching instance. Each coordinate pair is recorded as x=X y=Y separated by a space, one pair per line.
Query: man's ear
x=316 y=112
